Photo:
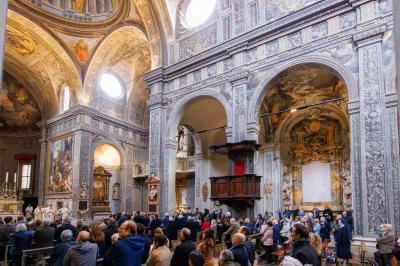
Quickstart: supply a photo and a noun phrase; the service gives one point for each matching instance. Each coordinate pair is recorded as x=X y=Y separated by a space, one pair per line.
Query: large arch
x=176 y=111
x=186 y=112
x=34 y=64
x=324 y=61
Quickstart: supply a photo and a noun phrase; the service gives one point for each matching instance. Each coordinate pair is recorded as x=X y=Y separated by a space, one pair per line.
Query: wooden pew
x=40 y=254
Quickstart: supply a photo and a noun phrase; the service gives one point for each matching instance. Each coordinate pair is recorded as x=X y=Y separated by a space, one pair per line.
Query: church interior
x=194 y=108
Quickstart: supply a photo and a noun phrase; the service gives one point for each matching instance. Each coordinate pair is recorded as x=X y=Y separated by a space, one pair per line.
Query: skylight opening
x=111 y=85
x=198 y=11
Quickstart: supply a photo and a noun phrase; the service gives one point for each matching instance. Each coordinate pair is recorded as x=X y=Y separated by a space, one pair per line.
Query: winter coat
x=240 y=254
x=44 y=237
x=84 y=254
x=386 y=243
x=343 y=243
x=266 y=236
x=305 y=252
x=181 y=253
x=127 y=251
x=20 y=241
x=324 y=231
x=59 y=251
x=159 y=257
x=276 y=233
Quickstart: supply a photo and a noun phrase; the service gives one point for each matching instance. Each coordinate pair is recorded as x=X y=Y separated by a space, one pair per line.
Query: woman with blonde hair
x=316 y=242
x=207 y=247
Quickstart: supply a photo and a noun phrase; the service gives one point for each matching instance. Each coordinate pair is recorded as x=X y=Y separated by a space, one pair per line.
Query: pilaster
x=375 y=205
x=42 y=165
x=239 y=87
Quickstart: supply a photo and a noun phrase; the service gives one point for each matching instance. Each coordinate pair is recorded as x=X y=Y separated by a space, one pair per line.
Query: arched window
x=197 y=12
x=65 y=99
x=110 y=84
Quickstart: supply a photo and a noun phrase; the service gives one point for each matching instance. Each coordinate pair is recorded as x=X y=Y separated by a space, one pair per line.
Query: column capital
x=369 y=36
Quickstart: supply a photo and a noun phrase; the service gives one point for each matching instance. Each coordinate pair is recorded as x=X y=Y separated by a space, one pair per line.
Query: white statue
x=153 y=193
x=29 y=211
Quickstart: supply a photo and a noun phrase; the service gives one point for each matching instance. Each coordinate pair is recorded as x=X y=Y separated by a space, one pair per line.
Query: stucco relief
x=238 y=7
x=320 y=30
x=276 y=9
x=374 y=146
x=198 y=42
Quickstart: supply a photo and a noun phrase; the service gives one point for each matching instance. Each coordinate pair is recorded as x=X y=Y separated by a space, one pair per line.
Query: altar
x=10 y=199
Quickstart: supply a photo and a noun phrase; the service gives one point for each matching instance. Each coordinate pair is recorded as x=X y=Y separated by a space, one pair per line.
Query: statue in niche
x=286 y=193
x=115 y=194
x=184 y=197
x=153 y=193
x=79 y=5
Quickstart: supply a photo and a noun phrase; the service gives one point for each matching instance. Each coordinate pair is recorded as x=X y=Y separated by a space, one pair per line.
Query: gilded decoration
x=101 y=181
x=318 y=134
x=23 y=44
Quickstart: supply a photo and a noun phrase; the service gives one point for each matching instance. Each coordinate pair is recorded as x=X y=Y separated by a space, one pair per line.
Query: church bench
x=38 y=254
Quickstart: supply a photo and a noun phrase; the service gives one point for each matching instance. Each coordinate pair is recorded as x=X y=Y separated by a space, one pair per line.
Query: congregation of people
x=193 y=237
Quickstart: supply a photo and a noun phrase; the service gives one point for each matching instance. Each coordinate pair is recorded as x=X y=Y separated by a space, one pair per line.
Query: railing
x=40 y=254
x=185 y=164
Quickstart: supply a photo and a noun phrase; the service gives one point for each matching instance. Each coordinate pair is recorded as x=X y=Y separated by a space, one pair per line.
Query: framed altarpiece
x=153 y=194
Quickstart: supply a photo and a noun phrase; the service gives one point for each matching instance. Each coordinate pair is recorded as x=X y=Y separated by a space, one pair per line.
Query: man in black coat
x=182 y=251
x=194 y=228
x=239 y=250
x=302 y=249
x=251 y=252
x=147 y=244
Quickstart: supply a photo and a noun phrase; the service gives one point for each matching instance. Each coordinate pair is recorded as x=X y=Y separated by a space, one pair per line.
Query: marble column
x=376 y=206
x=396 y=31
x=3 y=19
x=239 y=87
x=272 y=174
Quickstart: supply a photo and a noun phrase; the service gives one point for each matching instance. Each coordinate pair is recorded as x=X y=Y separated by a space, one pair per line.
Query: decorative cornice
x=371 y=35
x=95 y=114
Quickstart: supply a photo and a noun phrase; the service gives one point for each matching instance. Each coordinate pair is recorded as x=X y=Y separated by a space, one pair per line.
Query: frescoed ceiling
x=18 y=109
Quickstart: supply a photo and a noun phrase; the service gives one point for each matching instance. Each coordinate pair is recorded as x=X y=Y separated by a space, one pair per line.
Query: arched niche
x=205 y=114
x=299 y=130
x=110 y=158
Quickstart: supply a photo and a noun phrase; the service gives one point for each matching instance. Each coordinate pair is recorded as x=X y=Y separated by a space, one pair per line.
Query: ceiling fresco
x=18 y=109
x=296 y=87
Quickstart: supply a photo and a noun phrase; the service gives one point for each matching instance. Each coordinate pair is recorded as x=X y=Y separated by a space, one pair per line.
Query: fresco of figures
x=61 y=165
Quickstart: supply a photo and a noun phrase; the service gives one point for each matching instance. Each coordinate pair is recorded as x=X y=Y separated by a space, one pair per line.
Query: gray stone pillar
x=272 y=174
x=3 y=19
x=375 y=173
x=42 y=164
x=83 y=168
x=239 y=87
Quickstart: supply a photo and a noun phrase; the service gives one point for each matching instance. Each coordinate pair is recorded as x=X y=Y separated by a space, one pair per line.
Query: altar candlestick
x=15 y=178
x=6 y=177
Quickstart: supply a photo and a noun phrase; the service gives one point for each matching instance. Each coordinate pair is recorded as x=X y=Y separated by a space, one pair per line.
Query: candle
x=15 y=177
x=6 y=177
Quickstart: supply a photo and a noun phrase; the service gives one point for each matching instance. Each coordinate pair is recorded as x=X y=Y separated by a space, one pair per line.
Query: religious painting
x=20 y=42
x=61 y=165
x=81 y=50
x=18 y=109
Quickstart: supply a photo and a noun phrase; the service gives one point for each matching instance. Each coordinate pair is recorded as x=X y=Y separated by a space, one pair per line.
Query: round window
x=198 y=11
x=110 y=84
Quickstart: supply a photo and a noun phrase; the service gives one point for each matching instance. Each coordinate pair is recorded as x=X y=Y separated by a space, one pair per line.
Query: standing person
x=287 y=212
x=248 y=244
x=386 y=244
x=60 y=249
x=325 y=233
x=160 y=255
x=207 y=247
x=182 y=251
x=154 y=223
x=276 y=233
x=66 y=225
x=194 y=228
x=20 y=240
x=239 y=250
x=267 y=241
x=316 y=226
x=349 y=221
x=328 y=214
x=5 y=230
x=226 y=258
x=111 y=229
x=285 y=231
x=343 y=243
x=196 y=259
x=44 y=234
x=82 y=254
x=140 y=233
x=205 y=225
x=128 y=250
x=302 y=248
x=97 y=237
x=29 y=211
x=316 y=242
x=315 y=212
x=233 y=229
